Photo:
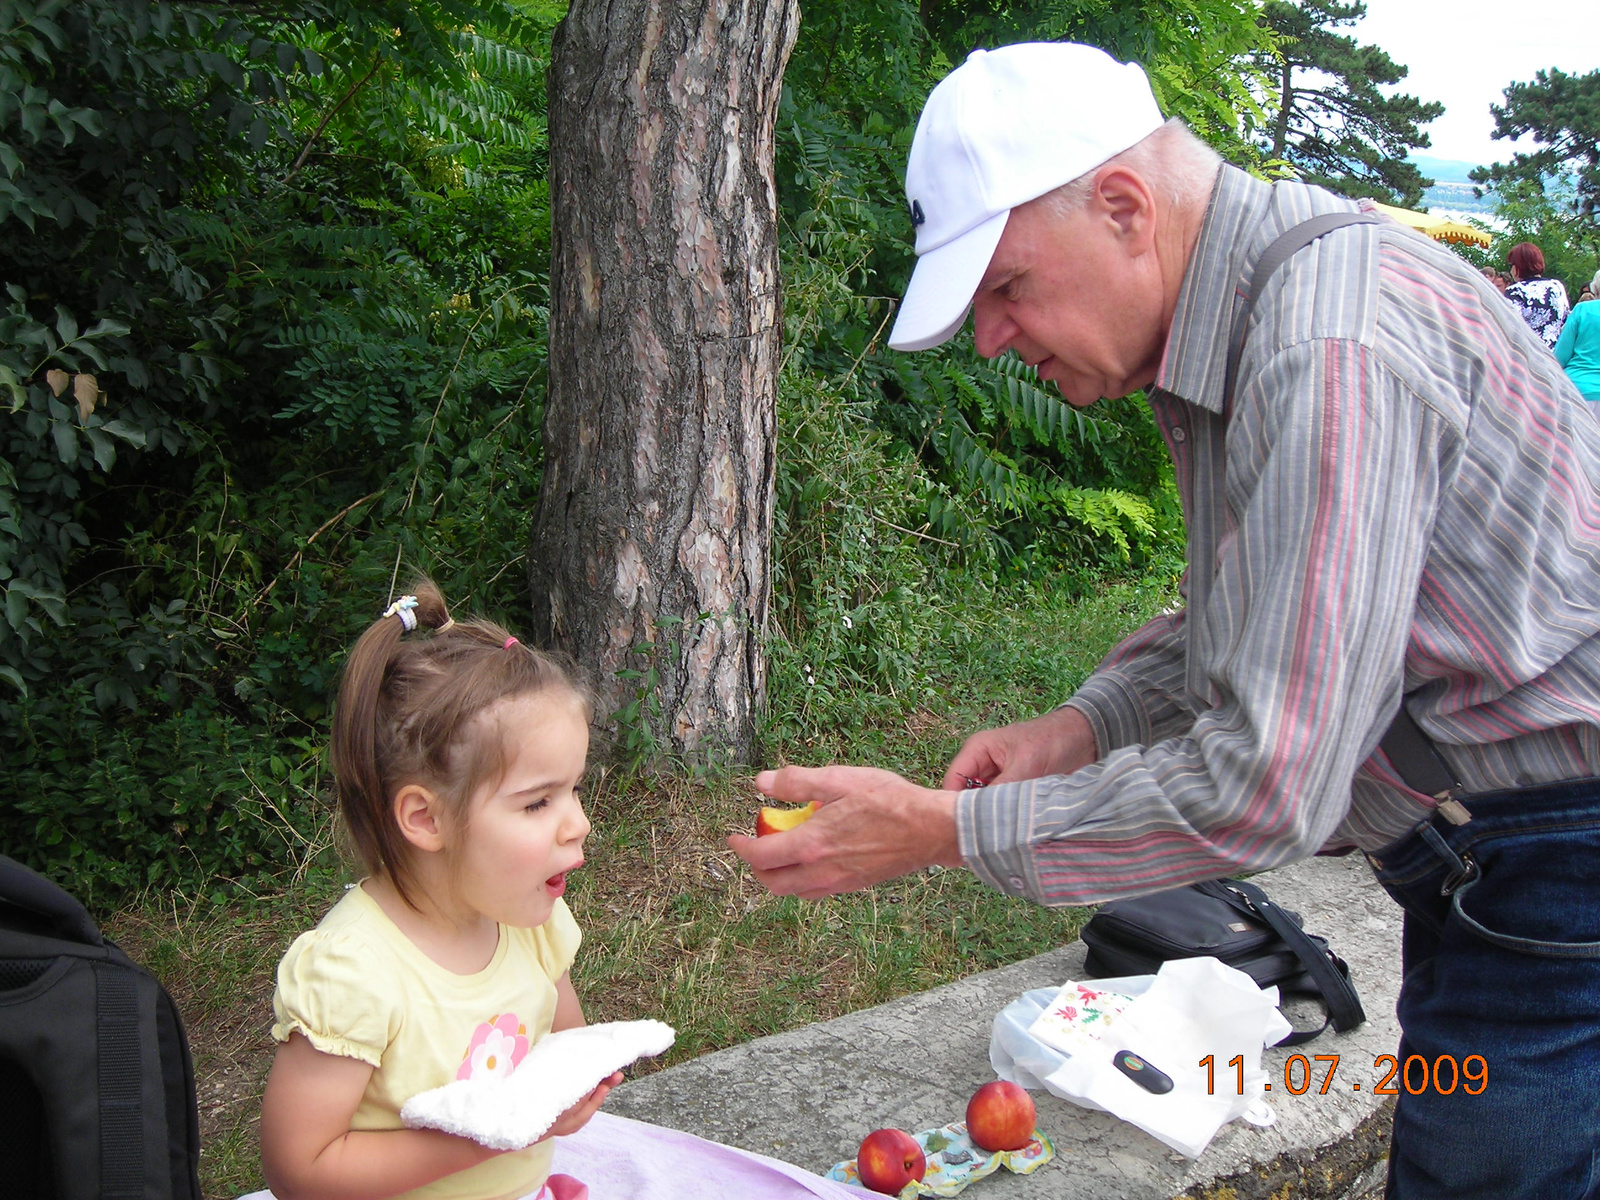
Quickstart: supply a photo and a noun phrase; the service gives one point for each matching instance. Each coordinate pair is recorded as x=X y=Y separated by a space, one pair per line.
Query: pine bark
x=650 y=549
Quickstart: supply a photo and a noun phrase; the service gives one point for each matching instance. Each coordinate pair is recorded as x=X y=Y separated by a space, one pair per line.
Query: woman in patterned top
x=1542 y=302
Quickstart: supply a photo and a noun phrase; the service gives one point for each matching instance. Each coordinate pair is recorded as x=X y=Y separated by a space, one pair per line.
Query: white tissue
x=561 y=1069
x=1195 y=1008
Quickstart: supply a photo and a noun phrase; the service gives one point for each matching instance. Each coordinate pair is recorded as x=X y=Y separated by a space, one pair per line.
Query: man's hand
x=870 y=825
x=576 y=1117
x=1057 y=743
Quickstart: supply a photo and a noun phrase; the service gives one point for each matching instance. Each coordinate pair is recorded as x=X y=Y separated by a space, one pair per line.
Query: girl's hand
x=576 y=1117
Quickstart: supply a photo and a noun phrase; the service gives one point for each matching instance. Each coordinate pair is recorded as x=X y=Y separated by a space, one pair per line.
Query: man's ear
x=1125 y=198
x=420 y=814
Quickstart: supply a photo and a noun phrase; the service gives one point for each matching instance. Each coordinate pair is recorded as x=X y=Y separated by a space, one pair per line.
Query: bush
x=187 y=800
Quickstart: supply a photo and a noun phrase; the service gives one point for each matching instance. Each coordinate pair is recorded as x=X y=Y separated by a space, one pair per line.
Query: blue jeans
x=1501 y=960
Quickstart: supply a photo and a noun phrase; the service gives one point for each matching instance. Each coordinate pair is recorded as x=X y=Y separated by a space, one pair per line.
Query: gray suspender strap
x=1411 y=752
x=1289 y=243
x=1417 y=760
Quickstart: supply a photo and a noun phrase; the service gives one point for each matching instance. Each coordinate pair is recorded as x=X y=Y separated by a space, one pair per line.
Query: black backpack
x=97 y=1094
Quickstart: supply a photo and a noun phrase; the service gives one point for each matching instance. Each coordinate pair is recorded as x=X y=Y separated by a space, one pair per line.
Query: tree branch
x=300 y=553
x=323 y=124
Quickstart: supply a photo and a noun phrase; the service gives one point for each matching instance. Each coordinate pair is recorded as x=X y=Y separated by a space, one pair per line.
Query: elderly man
x=1393 y=503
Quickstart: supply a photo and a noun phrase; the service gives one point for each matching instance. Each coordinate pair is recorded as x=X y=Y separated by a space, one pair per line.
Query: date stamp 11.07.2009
x=1416 y=1075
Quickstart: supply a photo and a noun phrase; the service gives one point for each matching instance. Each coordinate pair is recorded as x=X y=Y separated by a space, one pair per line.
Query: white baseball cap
x=1003 y=128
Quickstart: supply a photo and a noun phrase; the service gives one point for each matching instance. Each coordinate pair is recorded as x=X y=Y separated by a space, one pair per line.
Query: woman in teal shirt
x=1578 y=347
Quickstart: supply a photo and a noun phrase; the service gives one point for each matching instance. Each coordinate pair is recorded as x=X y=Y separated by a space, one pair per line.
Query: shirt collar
x=1194 y=363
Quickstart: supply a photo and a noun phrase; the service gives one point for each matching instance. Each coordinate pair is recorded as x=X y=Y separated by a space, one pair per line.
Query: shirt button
x=1178 y=434
x=1016 y=884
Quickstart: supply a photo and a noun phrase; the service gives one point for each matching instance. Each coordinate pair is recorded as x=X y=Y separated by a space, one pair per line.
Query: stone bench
x=810 y=1095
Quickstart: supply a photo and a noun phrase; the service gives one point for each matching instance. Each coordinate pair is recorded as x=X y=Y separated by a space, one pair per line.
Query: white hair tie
x=402 y=608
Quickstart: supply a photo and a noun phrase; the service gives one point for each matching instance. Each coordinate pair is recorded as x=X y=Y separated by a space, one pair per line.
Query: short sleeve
x=556 y=941
x=329 y=990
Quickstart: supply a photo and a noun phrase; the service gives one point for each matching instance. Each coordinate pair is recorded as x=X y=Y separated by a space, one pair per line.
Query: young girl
x=457 y=753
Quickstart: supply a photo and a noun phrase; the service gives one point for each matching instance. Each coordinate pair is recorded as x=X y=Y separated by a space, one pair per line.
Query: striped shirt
x=1412 y=504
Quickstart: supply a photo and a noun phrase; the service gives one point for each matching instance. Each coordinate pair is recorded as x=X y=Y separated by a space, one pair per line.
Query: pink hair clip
x=510 y=642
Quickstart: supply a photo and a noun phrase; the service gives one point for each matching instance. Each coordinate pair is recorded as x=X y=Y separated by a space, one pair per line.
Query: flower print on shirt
x=496 y=1048
x=1543 y=304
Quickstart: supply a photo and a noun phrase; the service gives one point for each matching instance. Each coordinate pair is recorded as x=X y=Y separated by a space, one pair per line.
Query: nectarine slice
x=777 y=820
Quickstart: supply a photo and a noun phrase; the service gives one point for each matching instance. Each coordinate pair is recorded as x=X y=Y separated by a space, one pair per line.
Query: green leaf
x=106 y=327
x=66 y=441
x=8 y=382
x=119 y=428
x=102 y=447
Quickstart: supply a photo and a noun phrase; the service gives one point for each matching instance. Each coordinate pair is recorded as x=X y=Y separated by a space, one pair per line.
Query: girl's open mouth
x=557 y=884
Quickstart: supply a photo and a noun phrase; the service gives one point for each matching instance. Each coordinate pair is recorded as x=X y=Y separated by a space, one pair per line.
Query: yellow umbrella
x=1440 y=229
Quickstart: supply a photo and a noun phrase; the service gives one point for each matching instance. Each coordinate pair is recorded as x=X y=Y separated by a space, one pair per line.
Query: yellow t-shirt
x=356 y=986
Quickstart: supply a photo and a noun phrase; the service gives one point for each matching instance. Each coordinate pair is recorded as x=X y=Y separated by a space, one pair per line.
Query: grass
x=674 y=926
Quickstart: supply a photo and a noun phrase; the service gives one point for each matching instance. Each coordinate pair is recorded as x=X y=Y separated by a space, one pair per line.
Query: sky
x=1463 y=53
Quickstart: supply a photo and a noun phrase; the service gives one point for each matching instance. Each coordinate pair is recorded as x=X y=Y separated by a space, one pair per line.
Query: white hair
x=1178 y=164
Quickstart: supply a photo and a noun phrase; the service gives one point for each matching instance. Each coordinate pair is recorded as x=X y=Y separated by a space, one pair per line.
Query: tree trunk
x=650 y=549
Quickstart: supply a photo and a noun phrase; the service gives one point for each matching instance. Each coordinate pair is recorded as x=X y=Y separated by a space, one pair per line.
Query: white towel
x=561 y=1069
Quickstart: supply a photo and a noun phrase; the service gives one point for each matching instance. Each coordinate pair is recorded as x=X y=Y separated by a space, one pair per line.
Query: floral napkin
x=1078 y=1017
x=954 y=1162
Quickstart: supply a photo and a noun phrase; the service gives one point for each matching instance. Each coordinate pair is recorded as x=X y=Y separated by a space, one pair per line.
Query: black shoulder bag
x=1235 y=922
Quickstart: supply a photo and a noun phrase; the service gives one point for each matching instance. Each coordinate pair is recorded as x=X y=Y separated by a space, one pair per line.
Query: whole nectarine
x=776 y=820
x=889 y=1159
x=1000 y=1116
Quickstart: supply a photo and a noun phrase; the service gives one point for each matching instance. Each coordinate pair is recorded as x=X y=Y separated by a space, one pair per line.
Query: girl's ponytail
x=358 y=775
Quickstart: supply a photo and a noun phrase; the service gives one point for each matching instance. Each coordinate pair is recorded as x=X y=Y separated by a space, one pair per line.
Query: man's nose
x=992 y=330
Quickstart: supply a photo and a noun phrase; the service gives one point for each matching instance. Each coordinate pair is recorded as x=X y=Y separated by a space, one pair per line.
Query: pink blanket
x=628 y=1160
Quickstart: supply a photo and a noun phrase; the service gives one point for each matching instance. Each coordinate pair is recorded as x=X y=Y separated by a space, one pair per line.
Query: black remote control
x=1151 y=1079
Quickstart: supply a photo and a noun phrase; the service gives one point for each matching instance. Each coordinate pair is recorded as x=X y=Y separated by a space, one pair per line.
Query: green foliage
x=1333 y=122
x=1542 y=212
x=1197 y=53
x=1562 y=113
x=851 y=586
x=911 y=487
x=189 y=798
x=276 y=337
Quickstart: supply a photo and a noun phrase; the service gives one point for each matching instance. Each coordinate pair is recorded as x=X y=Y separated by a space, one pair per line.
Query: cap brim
x=942 y=287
